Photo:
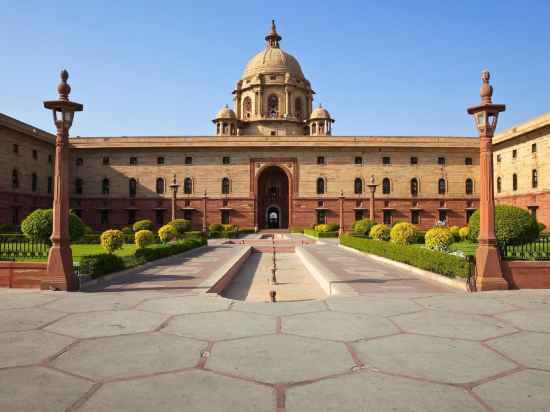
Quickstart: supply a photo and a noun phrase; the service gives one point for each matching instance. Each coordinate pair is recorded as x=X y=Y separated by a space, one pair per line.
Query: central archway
x=273 y=198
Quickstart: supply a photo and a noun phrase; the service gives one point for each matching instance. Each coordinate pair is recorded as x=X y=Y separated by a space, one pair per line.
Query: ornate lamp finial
x=64 y=89
x=486 y=91
x=273 y=37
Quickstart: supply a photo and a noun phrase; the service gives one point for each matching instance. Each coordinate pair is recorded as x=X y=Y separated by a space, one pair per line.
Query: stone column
x=204 y=212
x=174 y=187
x=372 y=187
x=341 y=200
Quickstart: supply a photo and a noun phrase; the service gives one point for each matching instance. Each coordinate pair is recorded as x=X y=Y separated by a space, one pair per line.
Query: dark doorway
x=273 y=199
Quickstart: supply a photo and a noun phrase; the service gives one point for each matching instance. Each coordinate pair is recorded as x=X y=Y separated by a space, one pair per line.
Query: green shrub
x=454 y=231
x=38 y=225
x=403 y=233
x=215 y=227
x=5 y=228
x=101 y=264
x=363 y=226
x=247 y=230
x=397 y=222
x=420 y=237
x=514 y=225
x=91 y=239
x=296 y=230
x=439 y=238
x=380 y=232
x=112 y=240
x=163 y=250
x=463 y=232
x=144 y=238
x=167 y=233
x=181 y=226
x=438 y=262
x=327 y=227
x=143 y=224
x=196 y=235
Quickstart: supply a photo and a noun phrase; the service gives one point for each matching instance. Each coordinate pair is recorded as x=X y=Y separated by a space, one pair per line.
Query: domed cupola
x=226 y=122
x=320 y=122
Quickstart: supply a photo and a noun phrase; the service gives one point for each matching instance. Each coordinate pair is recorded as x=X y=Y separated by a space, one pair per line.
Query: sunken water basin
x=252 y=280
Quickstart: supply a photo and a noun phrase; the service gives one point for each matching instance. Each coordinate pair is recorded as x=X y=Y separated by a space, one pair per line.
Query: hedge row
x=105 y=263
x=317 y=234
x=438 y=262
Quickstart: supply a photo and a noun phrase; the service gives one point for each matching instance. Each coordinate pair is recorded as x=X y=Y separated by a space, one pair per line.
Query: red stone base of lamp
x=60 y=270
x=489 y=270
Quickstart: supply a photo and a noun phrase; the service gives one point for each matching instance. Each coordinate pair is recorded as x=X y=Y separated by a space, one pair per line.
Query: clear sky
x=380 y=67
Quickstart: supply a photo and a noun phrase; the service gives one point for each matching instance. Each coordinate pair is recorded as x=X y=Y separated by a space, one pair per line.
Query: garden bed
x=317 y=234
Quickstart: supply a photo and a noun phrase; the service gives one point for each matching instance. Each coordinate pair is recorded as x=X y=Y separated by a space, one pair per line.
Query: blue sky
x=381 y=68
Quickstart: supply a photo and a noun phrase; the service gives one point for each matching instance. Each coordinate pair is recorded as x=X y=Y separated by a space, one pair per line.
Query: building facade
x=272 y=162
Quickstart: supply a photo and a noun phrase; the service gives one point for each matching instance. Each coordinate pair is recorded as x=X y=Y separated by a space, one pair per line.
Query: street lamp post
x=489 y=270
x=341 y=223
x=60 y=275
x=204 y=212
x=372 y=187
x=174 y=186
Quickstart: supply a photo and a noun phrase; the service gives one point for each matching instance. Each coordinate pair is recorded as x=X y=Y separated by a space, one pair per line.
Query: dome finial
x=64 y=89
x=273 y=37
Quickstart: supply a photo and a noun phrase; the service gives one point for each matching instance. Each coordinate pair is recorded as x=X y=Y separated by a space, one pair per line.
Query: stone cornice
x=523 y=128
x=356 y=142
x=14 y=124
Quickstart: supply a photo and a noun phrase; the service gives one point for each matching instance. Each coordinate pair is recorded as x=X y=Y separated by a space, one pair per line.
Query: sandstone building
x=273 y=162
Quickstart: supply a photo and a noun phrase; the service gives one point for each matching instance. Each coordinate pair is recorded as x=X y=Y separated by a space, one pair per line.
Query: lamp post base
x=60 y=270
x=489 y=271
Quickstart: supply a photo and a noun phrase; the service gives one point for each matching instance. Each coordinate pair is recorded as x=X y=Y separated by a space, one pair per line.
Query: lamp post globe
x=60 y=275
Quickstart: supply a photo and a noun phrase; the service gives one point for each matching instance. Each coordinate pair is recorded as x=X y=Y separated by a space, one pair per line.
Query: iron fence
x=18 y=246
x=536 y=250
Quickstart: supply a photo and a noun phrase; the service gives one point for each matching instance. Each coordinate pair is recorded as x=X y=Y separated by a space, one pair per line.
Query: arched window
x=14 y=179
x=469 y=186
x=534 y=178
x=386 y=186
x=105 y=186
x=188 y=186
x=132 y=187
x=247 y=107
x=499 y=184
x=160 y=185
x=78 y=186
x=34 y=182
x=273 y=106
x=320 y=186
x=224 y=128
x=298 y=108
x=225 y=185
x=218 y=128
x=313 y=129
x=358 y=186
x=441 y=186
x=414 y=186
x=514 y=182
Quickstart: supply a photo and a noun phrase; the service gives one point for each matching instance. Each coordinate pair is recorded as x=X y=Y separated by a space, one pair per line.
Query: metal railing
x=18 y=246
x=536 y=250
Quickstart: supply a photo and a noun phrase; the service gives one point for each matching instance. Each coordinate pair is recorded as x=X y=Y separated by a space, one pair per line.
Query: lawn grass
x=466 y=246
x=80 y=250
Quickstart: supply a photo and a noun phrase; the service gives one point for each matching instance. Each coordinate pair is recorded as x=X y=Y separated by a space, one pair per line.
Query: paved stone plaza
x=417 y=346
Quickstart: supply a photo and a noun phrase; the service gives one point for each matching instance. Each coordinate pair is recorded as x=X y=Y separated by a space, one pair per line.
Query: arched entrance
x=273 y=198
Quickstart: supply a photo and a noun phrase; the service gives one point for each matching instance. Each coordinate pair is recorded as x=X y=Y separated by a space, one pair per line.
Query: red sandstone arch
x=272 y=188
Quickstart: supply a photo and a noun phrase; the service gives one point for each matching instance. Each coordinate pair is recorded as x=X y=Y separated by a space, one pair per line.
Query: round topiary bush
x=380 y=232
x=144 y=224
x=181 y=226
x=363 y=226
x=514 y=225
x=332 y=227
x=454 y=231
x=144 y=238
x=403 y=233
x=215 y=227
x=438 y=238
x=167 y=233
x=112 y=240
x=38 y=225
x=463 y=232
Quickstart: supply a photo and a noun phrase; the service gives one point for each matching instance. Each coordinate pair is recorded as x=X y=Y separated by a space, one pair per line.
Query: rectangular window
x=415 y=217
x=133 y=161
x=34 y=154
x=358 y=214
x=468 y=161
x=226 y=160
x=443 y=216
x=498 y=158
x=159 y=217
x=533 y=211
x=321 y=217
x=104 y=217
x=534 y=178
x=50 y=159
x=320 y=160
x=79 y=161
x=387 y=217
x=160 y=160
x=414 y=160
x=131 y=217
x=187 y=214
x=78 y=212
x=15 y=216
x=50 y=184
x=514 y=153
x=440 y=160
x=225 y=217
x=15 y=148
x=534 y=148
x=358 y=160
x=469 y=214
x=106 y=160
x=188 y=160
x=386 y=160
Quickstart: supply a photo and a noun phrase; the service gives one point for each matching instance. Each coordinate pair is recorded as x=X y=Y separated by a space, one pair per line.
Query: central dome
x=273 y=59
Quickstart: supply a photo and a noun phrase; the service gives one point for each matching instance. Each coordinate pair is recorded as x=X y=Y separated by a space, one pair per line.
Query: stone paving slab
x=178 y=305
x=527 y=348
x=26 y=319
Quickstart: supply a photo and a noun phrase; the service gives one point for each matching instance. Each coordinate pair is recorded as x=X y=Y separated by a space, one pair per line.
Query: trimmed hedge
x=38 y=225
x=105 y=263
x=438 y=262
x=317 y=234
